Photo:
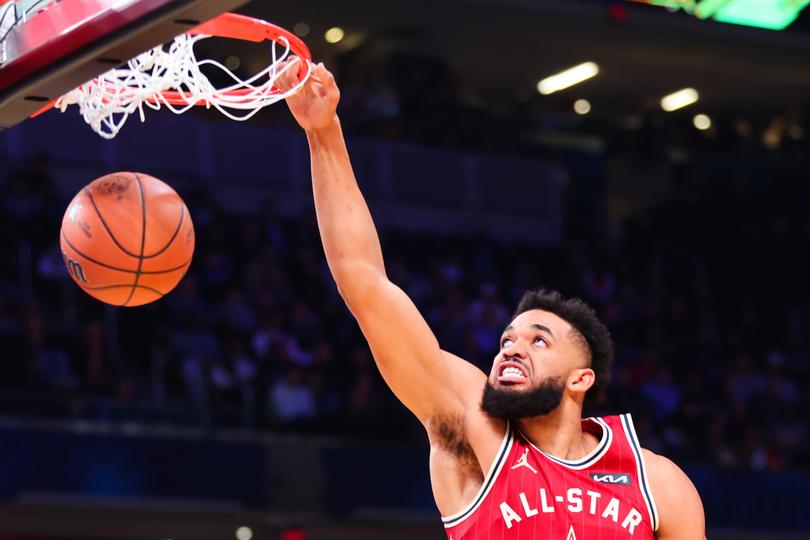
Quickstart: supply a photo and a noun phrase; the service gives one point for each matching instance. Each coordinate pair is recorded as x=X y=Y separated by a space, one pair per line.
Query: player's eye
x=506 y=342
x=540 y=342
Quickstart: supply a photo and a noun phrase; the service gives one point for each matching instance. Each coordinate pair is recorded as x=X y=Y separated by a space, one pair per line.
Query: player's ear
x=581 y=380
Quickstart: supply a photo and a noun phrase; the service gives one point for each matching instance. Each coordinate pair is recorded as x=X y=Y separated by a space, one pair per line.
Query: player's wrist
x=325 y=132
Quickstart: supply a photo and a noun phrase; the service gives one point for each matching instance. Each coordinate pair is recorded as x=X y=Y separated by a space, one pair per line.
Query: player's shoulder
x=657 y=461
x=662 y=470
x=676 y=498
x=466 y=437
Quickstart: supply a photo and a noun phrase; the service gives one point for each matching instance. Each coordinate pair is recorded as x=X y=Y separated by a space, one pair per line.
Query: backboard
x=61 y=44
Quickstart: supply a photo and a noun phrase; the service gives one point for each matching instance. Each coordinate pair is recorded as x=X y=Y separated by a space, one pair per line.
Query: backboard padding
x=61 y=47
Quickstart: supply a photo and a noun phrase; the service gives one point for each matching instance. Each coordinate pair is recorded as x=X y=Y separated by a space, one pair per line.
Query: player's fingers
x=303 y=67
x=315 y=73
x=326 y=76
x=291 y=71
x=284 y=79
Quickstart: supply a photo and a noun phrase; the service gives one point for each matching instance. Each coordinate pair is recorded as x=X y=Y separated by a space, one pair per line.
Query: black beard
x=516 y=404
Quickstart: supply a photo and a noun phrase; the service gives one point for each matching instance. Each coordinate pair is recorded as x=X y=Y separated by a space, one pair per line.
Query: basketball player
x=510 y=455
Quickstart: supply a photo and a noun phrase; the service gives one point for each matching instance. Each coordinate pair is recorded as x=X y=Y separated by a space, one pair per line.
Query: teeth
x=512 y=372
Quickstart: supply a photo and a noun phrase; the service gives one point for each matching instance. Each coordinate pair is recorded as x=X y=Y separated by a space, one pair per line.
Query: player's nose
x=516 y=350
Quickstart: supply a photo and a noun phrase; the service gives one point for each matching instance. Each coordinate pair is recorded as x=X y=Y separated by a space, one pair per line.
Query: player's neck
x=559 y=433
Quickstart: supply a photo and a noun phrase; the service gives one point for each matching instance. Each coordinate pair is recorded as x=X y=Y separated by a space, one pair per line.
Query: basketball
x=127 y=239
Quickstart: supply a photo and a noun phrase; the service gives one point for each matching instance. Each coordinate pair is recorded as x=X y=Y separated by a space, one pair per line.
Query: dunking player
x=511 y=456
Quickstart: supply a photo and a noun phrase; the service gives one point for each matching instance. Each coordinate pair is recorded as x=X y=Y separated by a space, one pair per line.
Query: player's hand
x=314 y=106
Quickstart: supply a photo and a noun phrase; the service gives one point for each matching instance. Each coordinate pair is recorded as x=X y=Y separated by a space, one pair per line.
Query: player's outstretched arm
x=679 y=507
x=426 y=380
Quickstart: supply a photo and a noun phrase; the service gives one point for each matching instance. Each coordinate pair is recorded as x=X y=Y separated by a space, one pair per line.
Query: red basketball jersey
x=531 y=495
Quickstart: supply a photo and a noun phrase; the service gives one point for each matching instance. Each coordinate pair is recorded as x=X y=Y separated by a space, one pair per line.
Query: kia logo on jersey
x=612 y=478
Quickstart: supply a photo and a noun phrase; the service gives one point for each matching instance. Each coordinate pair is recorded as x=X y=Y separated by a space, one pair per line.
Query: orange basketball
x=127 y=239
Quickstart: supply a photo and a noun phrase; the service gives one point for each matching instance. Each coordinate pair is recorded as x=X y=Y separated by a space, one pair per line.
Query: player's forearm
x=347 y=230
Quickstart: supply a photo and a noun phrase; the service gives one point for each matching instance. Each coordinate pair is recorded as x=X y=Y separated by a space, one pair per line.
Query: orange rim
x=235 y=26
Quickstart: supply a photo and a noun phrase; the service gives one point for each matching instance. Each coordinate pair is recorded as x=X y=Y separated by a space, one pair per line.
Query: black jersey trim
x=486 y=486
x=646 y=492
x=595 y=455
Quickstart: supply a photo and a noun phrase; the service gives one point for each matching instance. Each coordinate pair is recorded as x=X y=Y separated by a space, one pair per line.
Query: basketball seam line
x=126 y=270
x=119 y=285
x=143 y=240
x=104 y=223
x=114 y=239
x=171 y=240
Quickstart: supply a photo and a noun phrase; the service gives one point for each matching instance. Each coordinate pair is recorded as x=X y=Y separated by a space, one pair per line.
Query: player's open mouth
x=511 y=373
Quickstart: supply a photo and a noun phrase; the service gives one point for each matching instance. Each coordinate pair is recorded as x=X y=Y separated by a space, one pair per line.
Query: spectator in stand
x=726 y=358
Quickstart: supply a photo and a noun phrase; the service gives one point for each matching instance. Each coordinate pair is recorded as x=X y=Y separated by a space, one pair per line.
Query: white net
x=107 y=101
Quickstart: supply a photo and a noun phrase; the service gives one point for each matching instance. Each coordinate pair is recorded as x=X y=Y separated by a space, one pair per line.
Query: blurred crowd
x=703 y=299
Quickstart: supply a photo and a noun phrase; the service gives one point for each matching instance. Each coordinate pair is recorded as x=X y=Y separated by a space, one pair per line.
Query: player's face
x=530 y=373
x=533 y=348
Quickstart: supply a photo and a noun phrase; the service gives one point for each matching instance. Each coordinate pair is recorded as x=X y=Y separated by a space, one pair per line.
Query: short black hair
x=588 y=330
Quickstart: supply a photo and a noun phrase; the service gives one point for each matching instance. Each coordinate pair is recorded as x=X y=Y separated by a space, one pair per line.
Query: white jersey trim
x=593 y=456
x=486 y=485
x=641 y=469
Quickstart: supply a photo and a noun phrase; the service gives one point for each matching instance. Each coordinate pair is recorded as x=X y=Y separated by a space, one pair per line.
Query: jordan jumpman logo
x=523 y=461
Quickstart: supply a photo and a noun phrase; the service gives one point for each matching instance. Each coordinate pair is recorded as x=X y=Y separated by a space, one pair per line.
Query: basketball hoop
x=170 y=76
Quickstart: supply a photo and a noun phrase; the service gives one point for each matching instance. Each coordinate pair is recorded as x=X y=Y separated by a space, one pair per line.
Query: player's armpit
x=426 y=380
x=680 y=509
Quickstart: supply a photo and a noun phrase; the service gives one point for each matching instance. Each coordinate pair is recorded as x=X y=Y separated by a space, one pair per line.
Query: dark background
x=247 y=396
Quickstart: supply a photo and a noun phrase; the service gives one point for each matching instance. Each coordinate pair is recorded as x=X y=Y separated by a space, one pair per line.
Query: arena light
x=567 y=78
x=301 y=29
x=334 y=35
x=582 y=106
x=244 y=533
x=680 y=99
x=702 y=122
x=233 y=63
